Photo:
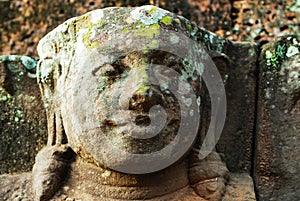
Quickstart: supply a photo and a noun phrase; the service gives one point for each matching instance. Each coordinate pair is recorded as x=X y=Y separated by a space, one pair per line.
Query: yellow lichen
x=167 y=20
x=149 y=31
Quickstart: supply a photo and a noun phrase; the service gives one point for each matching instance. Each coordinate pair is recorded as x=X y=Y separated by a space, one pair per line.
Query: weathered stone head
x=104 y=85
x=121 y=87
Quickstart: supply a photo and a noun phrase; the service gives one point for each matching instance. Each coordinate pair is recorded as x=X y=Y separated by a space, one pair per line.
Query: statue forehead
x=92 y=29
x=102 y=36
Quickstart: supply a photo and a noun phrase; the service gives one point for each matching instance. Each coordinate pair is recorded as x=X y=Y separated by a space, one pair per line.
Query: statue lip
x=131 y=129
x=123 y=117
x=140 y=120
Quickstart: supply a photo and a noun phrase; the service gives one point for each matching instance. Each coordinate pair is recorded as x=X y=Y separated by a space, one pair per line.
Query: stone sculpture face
x=123 y=102
x=111 y=93
x=131 y=108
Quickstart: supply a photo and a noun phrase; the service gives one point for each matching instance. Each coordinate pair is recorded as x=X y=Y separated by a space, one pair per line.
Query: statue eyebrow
x=116 y=64
x=97 y=68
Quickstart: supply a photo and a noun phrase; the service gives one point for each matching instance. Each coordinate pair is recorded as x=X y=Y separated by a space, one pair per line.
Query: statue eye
x=107 y=69
x=115 y=69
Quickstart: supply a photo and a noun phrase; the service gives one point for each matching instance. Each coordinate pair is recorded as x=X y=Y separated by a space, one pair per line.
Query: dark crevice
x=233 y=13
x=8 y=80
x=64 y=139
x=255 y=124
x=53 y=140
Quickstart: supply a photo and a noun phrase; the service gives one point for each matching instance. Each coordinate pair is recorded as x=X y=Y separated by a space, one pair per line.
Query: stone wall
x=277 y=159
x=260 y=137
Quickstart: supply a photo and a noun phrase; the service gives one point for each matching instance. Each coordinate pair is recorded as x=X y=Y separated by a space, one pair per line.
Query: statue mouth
x=137 y=124
x=141 y=120
x=138 y=132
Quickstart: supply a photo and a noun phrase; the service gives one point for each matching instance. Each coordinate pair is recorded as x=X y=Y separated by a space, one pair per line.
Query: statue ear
x=52 y=69
x=48 y=73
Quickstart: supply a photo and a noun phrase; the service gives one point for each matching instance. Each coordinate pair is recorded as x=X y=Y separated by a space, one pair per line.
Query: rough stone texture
x=277 y=158
x=24 y=22
x=212 y=15
x=239 y=187
x=264 y=20
x=16 y=187
x=49 y=171
x=22 y=119
x=23 y=33
x=98 y=185
x=209 y=176
x=122 y=71
x=68 y=48
x=109 y=184
x=78 y=187
x=274 y=18
x=237 y=138
x=235 y=144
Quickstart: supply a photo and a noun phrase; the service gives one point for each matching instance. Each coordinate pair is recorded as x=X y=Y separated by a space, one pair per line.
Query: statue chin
x=118 y=143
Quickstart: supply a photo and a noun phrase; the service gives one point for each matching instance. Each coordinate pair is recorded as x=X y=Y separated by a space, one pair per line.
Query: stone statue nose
x=144 y=100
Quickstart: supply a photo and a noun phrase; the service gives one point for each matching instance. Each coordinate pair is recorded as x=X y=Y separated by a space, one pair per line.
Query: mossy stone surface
x=276 y=162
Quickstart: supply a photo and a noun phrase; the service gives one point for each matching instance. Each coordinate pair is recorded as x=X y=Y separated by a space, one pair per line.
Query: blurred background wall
x=24 y=22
